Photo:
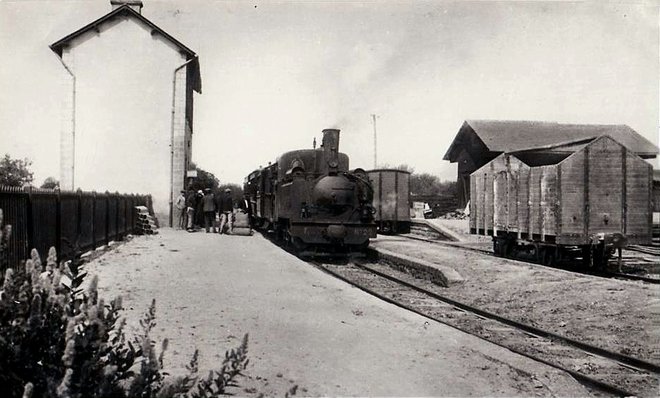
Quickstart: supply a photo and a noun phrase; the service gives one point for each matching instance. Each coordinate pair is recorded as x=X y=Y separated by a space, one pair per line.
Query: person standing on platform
x=225 y=207
x=180 y=206
x=244 y=205
x=199 y=209
x=190 y=210
x=209 y=210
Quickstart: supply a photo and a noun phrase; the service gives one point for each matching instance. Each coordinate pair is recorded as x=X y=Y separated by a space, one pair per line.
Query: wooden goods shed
x=535 y=143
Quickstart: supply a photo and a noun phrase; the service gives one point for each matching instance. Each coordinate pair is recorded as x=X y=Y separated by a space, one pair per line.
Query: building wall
x=123 y=113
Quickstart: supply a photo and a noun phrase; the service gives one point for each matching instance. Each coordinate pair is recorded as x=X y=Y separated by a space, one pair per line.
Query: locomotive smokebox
x=330 y=146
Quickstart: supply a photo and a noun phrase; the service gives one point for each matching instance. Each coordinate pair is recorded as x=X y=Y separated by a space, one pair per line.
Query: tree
x=50 y=183
x=205 y=179
x=15 y=172
x=236 y=191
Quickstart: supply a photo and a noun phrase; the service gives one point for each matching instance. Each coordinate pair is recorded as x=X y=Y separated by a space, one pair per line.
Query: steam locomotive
x=311 y=200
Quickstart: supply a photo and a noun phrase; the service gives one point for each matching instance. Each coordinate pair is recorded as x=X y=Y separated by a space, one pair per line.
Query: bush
x=60 y=340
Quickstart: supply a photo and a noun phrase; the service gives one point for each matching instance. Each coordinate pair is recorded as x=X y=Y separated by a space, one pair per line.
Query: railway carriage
x=590 y=203
x=311 y=200
x=391 y=199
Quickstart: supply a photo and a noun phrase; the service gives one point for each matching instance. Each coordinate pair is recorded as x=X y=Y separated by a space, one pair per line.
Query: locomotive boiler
x=311 y=200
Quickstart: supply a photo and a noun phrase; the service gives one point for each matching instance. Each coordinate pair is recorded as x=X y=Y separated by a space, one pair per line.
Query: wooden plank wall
x=605 y=182
x=474 y=203
x=403 y=196
x=572 y=194
x=500 y=201
x=549 y=206
x=495 y=196
x=535 y=210
x=638 y=209
x=603 y=188
x=524 y=218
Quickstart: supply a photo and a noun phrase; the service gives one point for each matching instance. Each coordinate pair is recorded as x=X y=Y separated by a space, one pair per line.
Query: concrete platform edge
x=440 y=229
x=443 y=275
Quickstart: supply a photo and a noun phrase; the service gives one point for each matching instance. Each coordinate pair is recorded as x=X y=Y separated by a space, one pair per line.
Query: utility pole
x=373 y=117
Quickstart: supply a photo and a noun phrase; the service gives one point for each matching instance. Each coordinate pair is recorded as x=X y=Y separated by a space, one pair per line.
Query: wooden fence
x=67 y=220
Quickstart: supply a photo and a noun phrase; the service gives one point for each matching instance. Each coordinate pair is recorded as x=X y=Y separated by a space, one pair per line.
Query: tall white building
x=128 y=109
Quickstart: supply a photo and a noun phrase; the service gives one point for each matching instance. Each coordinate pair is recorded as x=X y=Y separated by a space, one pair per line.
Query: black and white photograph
x=356 y=198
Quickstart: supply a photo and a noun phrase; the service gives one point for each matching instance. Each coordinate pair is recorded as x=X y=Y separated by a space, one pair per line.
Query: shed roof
x=126 y=10
x=515 y=136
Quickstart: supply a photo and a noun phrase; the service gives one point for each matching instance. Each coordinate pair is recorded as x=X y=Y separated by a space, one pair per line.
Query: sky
x=274 y=74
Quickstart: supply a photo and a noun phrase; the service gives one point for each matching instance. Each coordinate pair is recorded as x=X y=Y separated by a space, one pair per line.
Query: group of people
x=203 y=207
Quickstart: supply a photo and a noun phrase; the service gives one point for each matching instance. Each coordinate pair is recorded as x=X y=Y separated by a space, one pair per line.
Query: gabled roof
x=126 y=10
x=516 y=136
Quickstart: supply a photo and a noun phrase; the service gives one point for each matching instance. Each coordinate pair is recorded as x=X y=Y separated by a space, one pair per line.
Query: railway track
x=653 y=250
x=600 y=369
x=603 y=274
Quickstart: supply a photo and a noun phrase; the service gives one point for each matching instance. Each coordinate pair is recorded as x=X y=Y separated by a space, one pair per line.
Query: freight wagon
x=592 y=202
x=391 y=199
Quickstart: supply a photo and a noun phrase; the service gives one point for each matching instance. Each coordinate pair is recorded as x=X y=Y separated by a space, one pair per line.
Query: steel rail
x=622 y=358
x=654 y=251
x=578 y=376
x=608 y=275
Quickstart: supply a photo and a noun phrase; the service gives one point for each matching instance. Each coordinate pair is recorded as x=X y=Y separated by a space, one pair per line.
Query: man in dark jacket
x=225 y=207
x=209 y=210
x=199 y=209
x=190 y=210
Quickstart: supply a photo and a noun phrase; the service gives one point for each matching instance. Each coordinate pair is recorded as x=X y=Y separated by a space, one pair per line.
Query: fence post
x=117 y=230
x=126 y=221
x=107 y=217
x=58 y=223
x=93 y=220
x=78 y=224
x=133 y=204
x=30 y=222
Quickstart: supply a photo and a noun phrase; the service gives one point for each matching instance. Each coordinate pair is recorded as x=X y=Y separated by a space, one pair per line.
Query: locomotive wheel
x=298 y=244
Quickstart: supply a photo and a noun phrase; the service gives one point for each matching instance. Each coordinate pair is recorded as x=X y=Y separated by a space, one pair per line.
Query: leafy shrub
x=60 y=340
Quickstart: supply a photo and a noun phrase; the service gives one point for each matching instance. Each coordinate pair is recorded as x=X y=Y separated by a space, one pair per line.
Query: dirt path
x=306 y=328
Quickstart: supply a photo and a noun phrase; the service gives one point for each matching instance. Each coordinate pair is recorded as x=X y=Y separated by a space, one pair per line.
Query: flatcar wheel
x=496 y=247
x=586 y=257
x=549 y=256
x=601 y=257
x=508 y=248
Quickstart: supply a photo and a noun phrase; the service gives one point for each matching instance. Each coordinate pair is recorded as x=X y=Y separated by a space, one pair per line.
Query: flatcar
x=311 y=200
x=391 y=200
x=592 y=202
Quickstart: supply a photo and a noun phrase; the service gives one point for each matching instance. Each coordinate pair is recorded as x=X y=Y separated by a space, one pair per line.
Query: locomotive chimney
x=330 y=147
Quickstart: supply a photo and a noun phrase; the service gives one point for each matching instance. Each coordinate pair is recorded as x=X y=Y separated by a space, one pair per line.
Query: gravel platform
x=306 y=328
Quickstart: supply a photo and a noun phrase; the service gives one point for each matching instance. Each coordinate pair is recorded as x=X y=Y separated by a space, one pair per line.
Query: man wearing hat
x=225 y=207
x=180 y=205
x=209 y=210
